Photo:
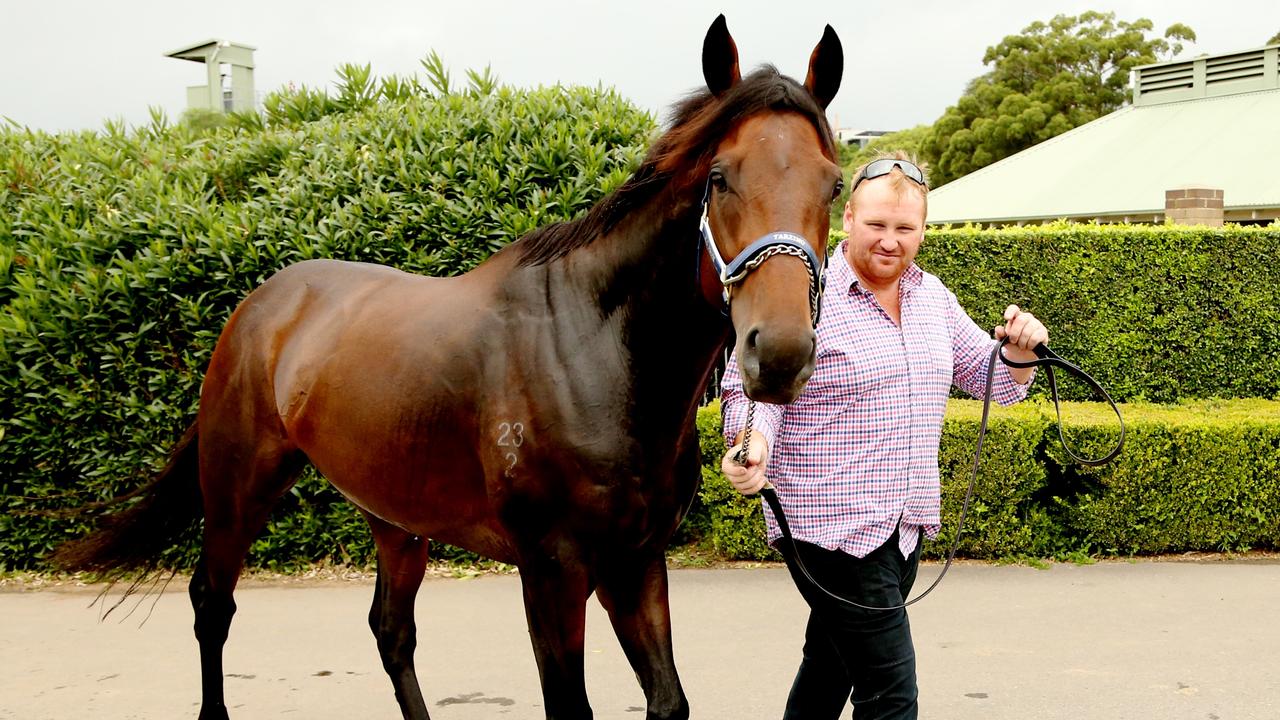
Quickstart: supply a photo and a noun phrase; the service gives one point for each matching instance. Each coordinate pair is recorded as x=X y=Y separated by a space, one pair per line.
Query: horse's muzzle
x=775 y=364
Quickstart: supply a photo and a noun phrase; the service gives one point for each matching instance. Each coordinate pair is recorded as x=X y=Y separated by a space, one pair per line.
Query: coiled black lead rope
x=1046 y=359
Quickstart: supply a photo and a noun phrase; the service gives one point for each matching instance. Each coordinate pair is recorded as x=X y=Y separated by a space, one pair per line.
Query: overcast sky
x=71 y=64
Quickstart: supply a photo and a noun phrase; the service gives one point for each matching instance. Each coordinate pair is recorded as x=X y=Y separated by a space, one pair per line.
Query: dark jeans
x=851 y=654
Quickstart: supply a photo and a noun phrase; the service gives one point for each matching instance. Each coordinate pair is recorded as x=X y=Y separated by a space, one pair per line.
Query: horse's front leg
x=634 y=592
x=556 y=586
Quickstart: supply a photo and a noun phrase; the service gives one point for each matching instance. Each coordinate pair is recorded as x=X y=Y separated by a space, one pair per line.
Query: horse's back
x=312 y=306
x=369 y=371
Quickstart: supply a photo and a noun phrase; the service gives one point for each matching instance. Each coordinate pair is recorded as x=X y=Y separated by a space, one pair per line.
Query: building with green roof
x=1199 y=145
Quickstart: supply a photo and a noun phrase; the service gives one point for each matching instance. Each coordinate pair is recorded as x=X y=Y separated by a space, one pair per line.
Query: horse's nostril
x=752 y=336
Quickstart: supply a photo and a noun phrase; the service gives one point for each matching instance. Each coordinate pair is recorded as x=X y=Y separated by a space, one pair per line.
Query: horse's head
x=770 y=179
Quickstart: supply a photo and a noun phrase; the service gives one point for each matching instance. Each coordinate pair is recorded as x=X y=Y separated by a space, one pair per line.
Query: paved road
x=1166 y=640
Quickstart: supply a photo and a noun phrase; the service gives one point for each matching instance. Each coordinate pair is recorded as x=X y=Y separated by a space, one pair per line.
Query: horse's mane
x=682 y=155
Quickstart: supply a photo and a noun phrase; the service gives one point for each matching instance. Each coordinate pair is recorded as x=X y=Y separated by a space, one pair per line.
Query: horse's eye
x=718 y=181
x=839 y=188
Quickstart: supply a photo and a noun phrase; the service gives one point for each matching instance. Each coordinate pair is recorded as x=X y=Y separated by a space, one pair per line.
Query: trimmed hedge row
x=1200 y=476
x=1156 y=313
x=1204 y=476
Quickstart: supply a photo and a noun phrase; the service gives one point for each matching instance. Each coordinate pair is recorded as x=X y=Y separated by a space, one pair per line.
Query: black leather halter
x=755 y=254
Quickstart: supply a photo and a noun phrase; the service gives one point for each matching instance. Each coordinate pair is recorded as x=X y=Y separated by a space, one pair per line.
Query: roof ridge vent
x=1208 y=76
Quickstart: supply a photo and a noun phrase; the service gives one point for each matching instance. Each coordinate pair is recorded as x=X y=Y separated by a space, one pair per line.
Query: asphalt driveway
x=1140 y=640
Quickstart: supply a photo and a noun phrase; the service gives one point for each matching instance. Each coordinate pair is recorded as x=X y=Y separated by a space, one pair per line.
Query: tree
x=851 y=159
x=1053 y=77
x=908 y=141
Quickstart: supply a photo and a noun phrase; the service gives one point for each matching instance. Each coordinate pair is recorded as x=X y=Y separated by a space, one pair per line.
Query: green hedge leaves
x=1200 y=476
x=123 y=252
x=1155 y=313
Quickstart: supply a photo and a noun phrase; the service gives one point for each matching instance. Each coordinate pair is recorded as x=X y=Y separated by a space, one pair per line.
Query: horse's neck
x=648 y=274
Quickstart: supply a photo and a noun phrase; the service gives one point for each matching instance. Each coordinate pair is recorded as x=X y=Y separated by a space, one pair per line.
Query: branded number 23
x=511 y=435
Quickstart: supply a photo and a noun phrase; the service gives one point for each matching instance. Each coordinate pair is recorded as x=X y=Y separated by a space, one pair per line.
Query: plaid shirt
x=855 y=456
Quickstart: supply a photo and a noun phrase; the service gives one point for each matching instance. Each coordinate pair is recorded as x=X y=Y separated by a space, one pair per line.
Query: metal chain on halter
x=743 y=454
x=815 y=288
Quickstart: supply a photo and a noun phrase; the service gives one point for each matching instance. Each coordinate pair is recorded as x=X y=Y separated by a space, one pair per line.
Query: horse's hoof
x=217 y=712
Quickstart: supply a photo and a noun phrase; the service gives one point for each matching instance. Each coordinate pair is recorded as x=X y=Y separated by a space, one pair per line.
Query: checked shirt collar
x=840 y=274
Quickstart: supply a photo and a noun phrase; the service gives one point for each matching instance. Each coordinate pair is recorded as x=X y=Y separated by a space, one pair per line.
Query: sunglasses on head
x=878 y=168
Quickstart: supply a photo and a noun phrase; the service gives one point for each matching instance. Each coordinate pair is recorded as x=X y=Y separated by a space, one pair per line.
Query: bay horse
x=538 y=410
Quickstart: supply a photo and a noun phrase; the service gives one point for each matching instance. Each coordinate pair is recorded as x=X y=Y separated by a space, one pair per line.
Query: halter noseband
x=775 y=243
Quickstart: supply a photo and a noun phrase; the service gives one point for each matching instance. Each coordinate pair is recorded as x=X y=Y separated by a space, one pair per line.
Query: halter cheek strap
x=774 y=243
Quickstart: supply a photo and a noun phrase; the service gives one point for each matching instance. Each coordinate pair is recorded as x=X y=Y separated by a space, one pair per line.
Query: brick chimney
x=1193 y=206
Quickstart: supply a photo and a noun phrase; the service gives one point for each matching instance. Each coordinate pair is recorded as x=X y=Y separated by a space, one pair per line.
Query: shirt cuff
x=1005 y=390
x=767 y=419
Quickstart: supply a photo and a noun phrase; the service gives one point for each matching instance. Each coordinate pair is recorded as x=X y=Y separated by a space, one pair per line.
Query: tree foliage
x=1051 y=78
x=909 y=141
x=851 y=158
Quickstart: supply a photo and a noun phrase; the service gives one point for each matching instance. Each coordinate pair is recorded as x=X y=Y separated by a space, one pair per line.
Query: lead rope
x=1046 y=359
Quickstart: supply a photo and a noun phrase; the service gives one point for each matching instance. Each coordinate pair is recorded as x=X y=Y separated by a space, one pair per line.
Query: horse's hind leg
x=240 y=479
x=634 y=592
x=402 y=561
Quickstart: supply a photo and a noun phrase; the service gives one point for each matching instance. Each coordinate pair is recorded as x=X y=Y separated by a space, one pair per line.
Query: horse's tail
x=168 y=512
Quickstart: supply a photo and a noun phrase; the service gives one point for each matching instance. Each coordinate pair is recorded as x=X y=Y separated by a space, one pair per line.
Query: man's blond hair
x=898 y=180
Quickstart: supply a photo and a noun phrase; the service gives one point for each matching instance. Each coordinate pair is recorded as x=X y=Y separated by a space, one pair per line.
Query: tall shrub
x=122 y=253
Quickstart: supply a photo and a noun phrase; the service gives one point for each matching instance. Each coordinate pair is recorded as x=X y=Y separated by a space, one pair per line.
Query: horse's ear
x=826 y=66
x=720 y=58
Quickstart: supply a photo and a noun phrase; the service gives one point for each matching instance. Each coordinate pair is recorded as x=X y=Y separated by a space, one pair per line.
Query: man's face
x=885 y=230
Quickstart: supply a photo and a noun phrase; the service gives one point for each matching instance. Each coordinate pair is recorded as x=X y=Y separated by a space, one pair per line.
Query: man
x=855 y=457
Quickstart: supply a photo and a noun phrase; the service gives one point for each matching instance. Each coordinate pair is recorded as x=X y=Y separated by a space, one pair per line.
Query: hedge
x=1199 y=476
x=122 y=254
x=1204 y=476
x=1156 y=313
